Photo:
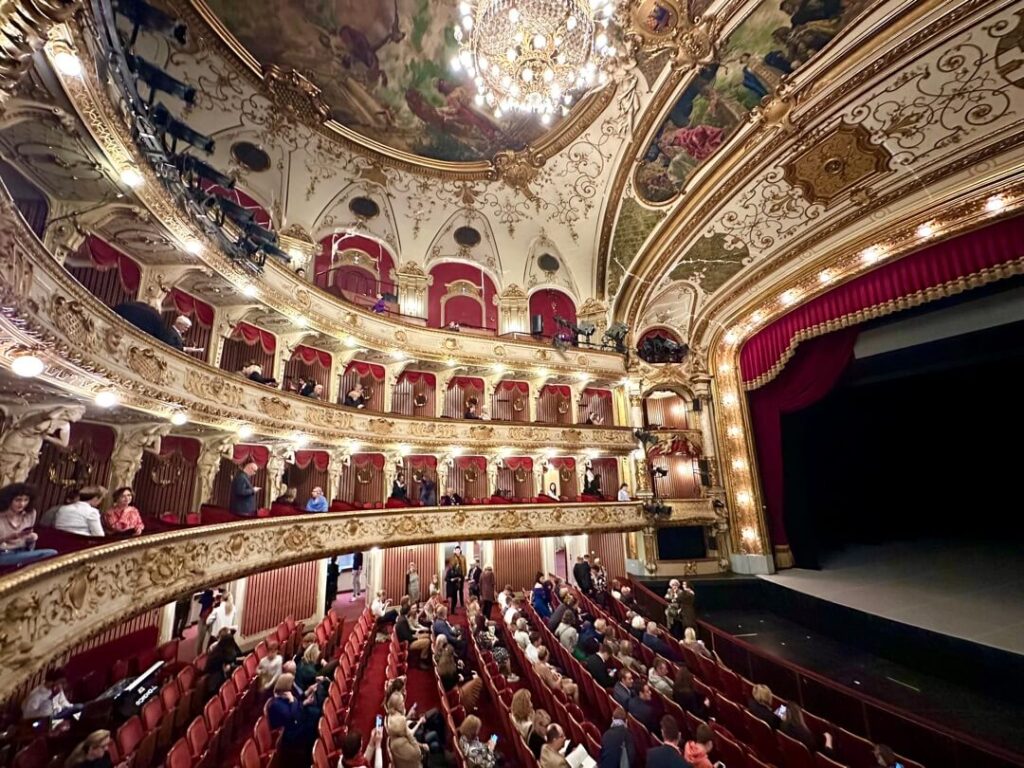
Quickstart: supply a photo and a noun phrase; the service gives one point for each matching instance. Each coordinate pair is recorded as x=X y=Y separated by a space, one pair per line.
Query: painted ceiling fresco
x=775 y=40
x=384 y=69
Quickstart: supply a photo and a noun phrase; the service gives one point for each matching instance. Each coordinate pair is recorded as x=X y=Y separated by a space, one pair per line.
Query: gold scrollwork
x=148 y=365
x=276 y=408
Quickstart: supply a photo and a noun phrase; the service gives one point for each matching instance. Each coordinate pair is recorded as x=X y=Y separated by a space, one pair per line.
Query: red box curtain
x=319 y=459
x=512 y=386
x=517 y=462
x=186 y=304
x=422 y=465
x=559 y=462
x=421 y=462
x=312 y=356
x=678 y=446
x=467 y=383
x=366 y=369
x=106 y=257
x=478 y=463
x=251 y=335
x=557 y=389
x=882 y=290
x=246 y=453
x=415 y=377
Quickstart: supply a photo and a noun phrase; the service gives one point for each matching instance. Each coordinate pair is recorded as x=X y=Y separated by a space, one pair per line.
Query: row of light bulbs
x=734 y=430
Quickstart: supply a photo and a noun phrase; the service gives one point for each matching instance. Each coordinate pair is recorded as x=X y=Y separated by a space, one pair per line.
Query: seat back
x=249 y=757
x=197 y=737
x=264 y=739
x=151 y=713
x=179 y=756
x=794 y=753
x=130 y=735
x=214 y=714
x=320 y=759
x=762 y=738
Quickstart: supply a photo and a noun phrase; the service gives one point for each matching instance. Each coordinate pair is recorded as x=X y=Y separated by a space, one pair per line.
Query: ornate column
x=487 y=397
x=443 y=379
x=492 y=474
x=279 y=456
x=25 y=428
x=339 y=363
x=24 y=25
x=392 y=461
x=575 y=399
x=442 y=474
x=338 y=461
x=636 y=410
x=513 y=310
x=412 y=283
x=208 y=465
x=392 y=372
x=129 y=444
x=223 y=324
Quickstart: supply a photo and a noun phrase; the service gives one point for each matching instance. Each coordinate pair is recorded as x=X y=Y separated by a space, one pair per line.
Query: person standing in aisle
x=357 y=574
x=333 y=572
x=454 y=578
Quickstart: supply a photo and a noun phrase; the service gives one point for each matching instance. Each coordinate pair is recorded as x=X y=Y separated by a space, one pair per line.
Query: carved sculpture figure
x=23 y=438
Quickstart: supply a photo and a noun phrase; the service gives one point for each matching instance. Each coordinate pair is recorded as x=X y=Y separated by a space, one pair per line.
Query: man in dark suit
x=597 y=665
x=622 y=692
x=581 y=574
x=645 y=709
x=654 y=642
x=669 y=754
x=616 y=740
x=243 y=492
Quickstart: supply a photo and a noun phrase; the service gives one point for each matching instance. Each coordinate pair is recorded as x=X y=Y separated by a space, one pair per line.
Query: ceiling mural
x=775 y=40
x=384 y=69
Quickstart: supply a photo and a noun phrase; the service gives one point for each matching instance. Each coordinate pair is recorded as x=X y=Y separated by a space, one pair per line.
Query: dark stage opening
x=915 y=443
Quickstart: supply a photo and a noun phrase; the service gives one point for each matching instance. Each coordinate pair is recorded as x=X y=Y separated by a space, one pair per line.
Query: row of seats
x=342 y=691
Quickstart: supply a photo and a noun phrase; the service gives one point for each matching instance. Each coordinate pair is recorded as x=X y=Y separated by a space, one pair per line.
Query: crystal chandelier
x=534 y=55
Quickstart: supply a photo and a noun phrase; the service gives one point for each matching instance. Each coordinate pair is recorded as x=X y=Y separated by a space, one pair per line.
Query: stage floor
x=970 y=590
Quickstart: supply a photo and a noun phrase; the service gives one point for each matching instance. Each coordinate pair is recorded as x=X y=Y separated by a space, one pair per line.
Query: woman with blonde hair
x=697 y=646
x=406 y=751
x=478 y=754
x=92 y=752
x=449 y=674
x=412 y=583
x=522 y=711
x=308 y=668
x=760 y=705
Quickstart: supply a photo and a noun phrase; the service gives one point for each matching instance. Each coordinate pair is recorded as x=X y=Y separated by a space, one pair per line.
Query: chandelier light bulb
x=245 y=431
x=132 y=178
x=571 y=23
x=995 y=204
x=465 y=8
x=455 y=65
x=513 y=15
x=539 y=42
x=194 y=247
x=249 y=290
x=27 y=366
x=179 y=418
x=545 y=119
x=527 y=75
x=467 y=23
x=107 y=398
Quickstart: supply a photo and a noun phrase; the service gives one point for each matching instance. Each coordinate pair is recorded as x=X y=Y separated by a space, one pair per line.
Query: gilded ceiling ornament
x=518 y=169
x=275 y=407
x=24 y=25
x=839 y=161
x=381 y=426
x=149 y=365
x=481 y=432
x=294 y=93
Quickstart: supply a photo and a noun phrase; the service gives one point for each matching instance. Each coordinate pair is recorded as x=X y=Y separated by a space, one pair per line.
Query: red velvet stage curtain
x=468 y=478
x=309 y=471
x=308 y=363
x=511 y=401
x=516 y=478
x=887 y=289
x=460 y=389
x=109 y=275
x=417 y=467
x=596 y=402
x=396 y=565
x=371 y=376
x=610 y=548
x=549 y=302
x=667 y=412
x=248 y=344
x=415 y=394
x=362 y=481
x=270 y=596
x=165 y=483
x=86 y=461
x=516 y=562
x=554 y=406
x=607 y=472
x=810 y=375
x=177 y=302
x=568 y=483
x=469 y=308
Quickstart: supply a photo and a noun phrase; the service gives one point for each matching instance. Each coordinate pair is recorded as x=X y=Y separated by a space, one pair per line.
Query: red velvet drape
x=938 y=264
x=511 y=401
x=809 y=376
x=554 y=404
x=415 y=394
x=165 y=483
x=596 y=402
x=550 y=303
x=371 y=376
x=460 y=390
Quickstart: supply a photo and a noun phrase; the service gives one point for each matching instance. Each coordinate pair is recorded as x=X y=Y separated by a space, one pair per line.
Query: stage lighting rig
x=178 y=130
x=239 y=215
x=192 y=170
x=265 y=240
x=659 y=472
x=142 y=14
x=159 y=80
x=616 y=335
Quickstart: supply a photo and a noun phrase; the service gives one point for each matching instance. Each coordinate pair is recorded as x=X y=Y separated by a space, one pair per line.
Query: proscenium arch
x=52 y=606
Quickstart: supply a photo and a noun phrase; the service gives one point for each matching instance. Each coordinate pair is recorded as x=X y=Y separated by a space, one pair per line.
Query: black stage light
x=142 y=14
x=192 y=169
x=260 y=235
x=660 y=472
x=176 y=129
x=274 y=250
x=241 y=216
x=159 y=80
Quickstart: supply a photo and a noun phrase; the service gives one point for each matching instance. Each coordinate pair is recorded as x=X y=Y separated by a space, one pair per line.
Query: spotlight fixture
x=142 y=14
x=192 y=170
x=178 y=130
x=27 y=366
x=194 y=247
x=659 y=472
x=159 y=80
x=239 y=215
x=657 y=509
x=257 y=238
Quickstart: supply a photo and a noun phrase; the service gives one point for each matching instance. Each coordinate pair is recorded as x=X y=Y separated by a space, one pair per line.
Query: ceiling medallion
x=535 y=56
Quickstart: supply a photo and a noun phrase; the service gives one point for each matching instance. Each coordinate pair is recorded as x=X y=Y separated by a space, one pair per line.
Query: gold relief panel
x=276 y=408
x=331 y=418
x=844 y=159
x=572 y=435
x=150 y=366
x=215 y=388
x=432 y=429
x=381 y=426
x=481 y=432
x=71 y=319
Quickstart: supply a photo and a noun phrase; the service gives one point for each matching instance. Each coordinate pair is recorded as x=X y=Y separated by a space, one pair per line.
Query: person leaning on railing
x=17 y=520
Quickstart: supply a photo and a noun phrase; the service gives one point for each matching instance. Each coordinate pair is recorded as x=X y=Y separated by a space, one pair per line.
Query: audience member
x=553 y=678
x=637 y=626
x=627 y=598
x=505 y=597
x=48 y=699
x=288 y=497
x=254 y=372
x=551 y=753
x=17 y=519
x=591 y=635
x=566 y=631
x=478 y=754
x=356 y=397
x=696 y=751
x=406 y=751
x=597 y=665
x=487 y=587
x=653 y=640
x=668 y=754
x=221 y=659
x=122 y=517
x=224 y=616
x=617 y=745
x=622 y=691
x=317 y=501
x=794 y=726
x=512 y=612
x=473 y=579
x=685 y=696
x=381 y=608
x=451 y=675
x=658 y=677
x=697 y=646
x=760 y=705
x=351 y=757
x=645 y=709
x=581 y=574
x=540 y=598
x=412 y=583
x=533 y=649
x=599 y=577
x=442 y=628
x=522 y=711
x=428 y=492
x=885 y=757
x=538 y=731
x=624 y=655
x=269 y=668
x=624 y=493
x=287 y=712
x=357 y=573
x=522 y=633
x=399 y=491
x=565 y=603
x=243 y=493
x=175 y=335
x=93 y=752
x=82 y=517
x=454 y=576
x=309 y=669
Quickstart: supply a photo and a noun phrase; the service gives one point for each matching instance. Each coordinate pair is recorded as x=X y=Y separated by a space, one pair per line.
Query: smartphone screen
x=494 y=738
x=380 y=721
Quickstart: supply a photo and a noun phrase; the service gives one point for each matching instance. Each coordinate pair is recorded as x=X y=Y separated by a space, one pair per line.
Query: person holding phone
x=17 y=519
x=406 y=751
x=351 y=757
x=478 y=754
